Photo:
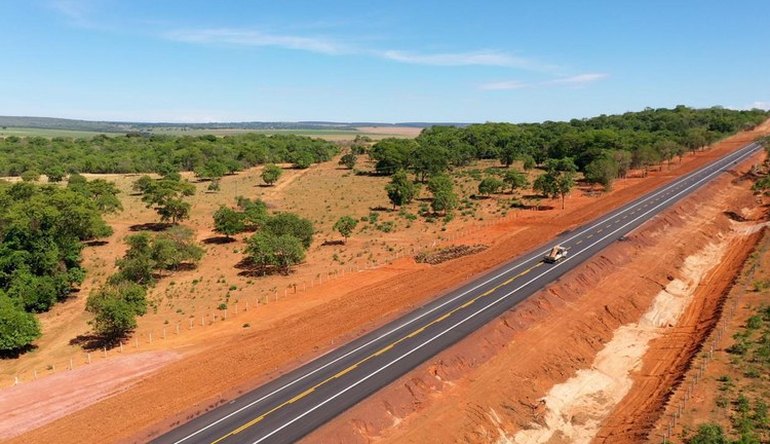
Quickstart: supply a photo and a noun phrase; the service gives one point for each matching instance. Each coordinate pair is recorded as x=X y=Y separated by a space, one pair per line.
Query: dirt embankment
x=608 y=340
x=228 y=360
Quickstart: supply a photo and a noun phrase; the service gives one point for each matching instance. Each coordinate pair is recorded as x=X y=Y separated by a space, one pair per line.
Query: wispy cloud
x=510 y=84
x=480 y=58
x=760 y=105
x=258 y=38
x=329 y=46
x=573 y=81
x=78 y=12
x=578 y=80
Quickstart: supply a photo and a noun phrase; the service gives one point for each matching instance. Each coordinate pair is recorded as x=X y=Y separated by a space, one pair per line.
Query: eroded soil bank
x=593 y=356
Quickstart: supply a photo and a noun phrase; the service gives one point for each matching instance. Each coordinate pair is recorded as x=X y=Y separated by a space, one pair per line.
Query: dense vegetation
x=604 y=147
x=209 y=156
x=42 y=230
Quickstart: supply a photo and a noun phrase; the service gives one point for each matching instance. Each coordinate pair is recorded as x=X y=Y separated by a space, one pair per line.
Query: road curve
x=293 y=405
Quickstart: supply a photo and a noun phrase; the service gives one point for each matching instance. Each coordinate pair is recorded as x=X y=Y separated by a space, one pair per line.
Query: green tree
x=174 y=247
x=565 y=164
x=490 y=185
x=293 y=225
x=515 y=179
x=644 y=157
x=444 y=201
x=271 y=173
x=546 y=185
x=228 y=221
x=440 y=182
x=30 y=176
x=166 y=196
x=444 y=197
x=137 y=264
x=393 y=154
x=267 y=250
x=401 y=190
x=508 y=155
x=349 y=160
x=104 y=194
x=623 y=160
x=602 y=171
x=55 y=173
x=565 y=182
x=345 y=225
x=528 y=162
x=18 y=329
x=667 y=149
x=429 y=160
x=302 y=159
x=254 y=212
x=115 y=308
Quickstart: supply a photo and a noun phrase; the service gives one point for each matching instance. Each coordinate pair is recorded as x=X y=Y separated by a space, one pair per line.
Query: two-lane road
x=293 y=405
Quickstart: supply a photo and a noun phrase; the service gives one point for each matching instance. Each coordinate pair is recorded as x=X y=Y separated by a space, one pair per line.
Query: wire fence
x=682 y=393
x=151 y=339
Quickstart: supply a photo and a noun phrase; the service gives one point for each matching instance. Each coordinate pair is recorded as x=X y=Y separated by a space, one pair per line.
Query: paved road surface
x=293 y=405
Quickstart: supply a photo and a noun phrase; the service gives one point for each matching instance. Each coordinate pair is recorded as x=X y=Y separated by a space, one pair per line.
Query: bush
x=709 y=434
x=115 y=308
x=269 y=251
x=292 y=225
x=271 y=173
x=18 y=328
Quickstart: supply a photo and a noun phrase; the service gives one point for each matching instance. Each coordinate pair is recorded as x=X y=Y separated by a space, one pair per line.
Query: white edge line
x=477 y=312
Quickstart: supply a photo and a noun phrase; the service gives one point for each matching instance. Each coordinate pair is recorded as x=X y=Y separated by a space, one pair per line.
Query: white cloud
x=578 y=80
x=574 y=81
x=78 y=12
x=481 y=58
x=510 y=84
x=257 y=38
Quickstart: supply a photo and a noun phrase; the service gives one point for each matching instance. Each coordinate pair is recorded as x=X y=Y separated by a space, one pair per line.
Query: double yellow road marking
x=379 y=352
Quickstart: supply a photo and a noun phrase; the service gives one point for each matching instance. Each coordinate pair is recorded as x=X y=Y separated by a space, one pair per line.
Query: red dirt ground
x=223 y=360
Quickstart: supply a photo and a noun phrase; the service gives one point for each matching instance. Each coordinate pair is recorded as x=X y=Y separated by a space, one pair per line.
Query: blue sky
x=388 y=61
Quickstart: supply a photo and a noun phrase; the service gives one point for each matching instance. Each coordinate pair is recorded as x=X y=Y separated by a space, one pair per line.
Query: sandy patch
x=576 y=408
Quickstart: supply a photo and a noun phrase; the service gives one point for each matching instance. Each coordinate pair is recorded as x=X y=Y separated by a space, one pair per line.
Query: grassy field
x=39 y=132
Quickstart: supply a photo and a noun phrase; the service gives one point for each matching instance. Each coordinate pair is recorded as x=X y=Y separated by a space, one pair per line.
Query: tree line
x=602 y=147
x=208 y=156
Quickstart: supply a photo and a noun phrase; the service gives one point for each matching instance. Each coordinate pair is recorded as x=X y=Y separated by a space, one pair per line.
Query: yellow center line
x=579 y=242
x=372 y=356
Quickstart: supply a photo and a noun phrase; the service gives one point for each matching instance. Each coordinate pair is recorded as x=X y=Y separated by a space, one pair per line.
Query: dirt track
x=244 y=358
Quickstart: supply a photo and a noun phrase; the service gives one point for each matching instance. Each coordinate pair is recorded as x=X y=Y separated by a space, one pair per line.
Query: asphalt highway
x=291 y=406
